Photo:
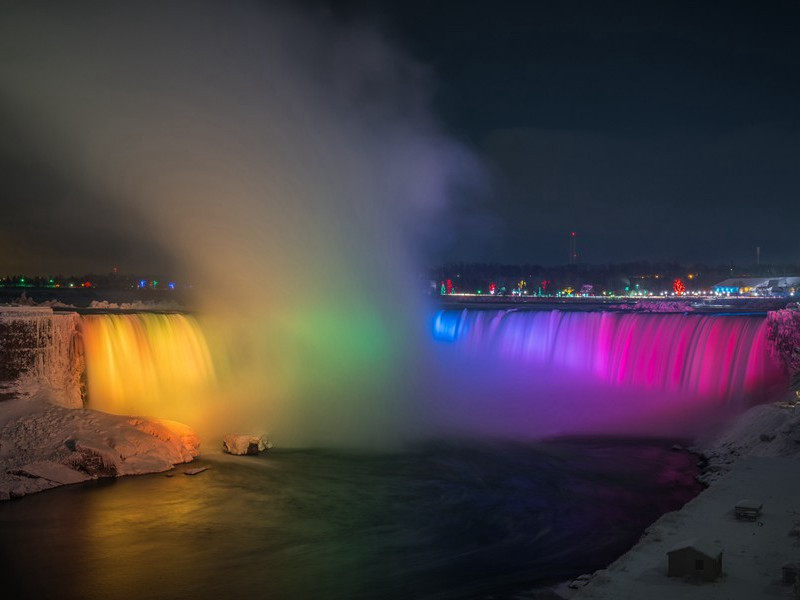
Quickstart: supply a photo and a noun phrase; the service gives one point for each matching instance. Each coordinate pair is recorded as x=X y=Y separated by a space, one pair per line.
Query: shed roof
x=709 y=549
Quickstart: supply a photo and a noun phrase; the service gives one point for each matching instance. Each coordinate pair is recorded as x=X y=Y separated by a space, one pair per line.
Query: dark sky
x=656 y=130
x=661 y=130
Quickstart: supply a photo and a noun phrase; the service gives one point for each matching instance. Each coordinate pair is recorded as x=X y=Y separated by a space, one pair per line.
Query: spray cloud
x=286 y=163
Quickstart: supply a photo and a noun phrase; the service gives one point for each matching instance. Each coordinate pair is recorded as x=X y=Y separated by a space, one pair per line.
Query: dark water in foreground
x=442 y=520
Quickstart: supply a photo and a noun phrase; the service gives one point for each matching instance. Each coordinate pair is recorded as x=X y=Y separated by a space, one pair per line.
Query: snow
x=784 y=332
x=147 y=305
x=757 y=456
x=244 y=444
x=38 y=350
x=657 y=306
x=703 y=546
x=43 y=445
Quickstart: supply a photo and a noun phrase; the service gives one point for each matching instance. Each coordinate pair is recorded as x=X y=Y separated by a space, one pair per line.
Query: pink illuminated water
x=560 y=372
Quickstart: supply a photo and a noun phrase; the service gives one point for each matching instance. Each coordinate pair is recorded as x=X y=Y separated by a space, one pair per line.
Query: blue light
x=171 y=285
x=445 y=326
x=142 y=283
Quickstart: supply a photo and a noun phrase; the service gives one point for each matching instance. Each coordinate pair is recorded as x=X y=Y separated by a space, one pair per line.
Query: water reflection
x=447 y=520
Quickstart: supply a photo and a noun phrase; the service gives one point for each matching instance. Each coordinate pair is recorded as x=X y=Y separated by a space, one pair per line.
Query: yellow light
x=146 y=364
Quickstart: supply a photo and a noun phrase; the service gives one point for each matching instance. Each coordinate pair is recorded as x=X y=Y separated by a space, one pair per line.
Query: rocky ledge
x=44 y=446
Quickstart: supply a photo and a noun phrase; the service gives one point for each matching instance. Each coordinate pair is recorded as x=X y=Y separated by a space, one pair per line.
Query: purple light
x=554 y=372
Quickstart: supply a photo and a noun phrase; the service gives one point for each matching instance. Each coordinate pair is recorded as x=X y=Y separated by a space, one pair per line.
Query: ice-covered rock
x=52 y=471
x=44 y=445
x=244 y=444
x=195 y=471
x=38 y=351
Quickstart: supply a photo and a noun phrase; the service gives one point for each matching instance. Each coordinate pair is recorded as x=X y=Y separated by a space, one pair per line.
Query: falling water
x=153 y=364
x=563 y=372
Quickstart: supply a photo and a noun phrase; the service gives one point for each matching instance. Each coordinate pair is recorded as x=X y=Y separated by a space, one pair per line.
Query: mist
x=283 y=162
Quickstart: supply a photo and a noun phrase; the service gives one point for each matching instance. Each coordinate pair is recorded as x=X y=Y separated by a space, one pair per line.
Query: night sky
x=655 y=130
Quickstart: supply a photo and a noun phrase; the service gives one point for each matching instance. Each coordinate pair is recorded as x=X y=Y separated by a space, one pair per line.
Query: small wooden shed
x=791 y=572
x=748 y=510
x=693 y=559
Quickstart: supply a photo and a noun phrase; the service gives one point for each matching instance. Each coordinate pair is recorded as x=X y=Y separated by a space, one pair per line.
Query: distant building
x=695 y=560
x=758 y=286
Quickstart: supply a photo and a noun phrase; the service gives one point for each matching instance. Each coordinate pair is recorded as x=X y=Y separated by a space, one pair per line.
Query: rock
x=195 y=471
x=49 y=445
x=764 y=437
x=182 y=438
x=244 y=444
x=580 y=581
x=52 y=471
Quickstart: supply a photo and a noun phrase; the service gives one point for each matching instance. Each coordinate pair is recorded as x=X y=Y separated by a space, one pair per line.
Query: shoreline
x=756 y=456
x=44 y=445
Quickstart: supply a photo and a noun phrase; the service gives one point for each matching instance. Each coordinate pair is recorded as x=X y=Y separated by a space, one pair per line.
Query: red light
x=87 y=284
x=573 y=234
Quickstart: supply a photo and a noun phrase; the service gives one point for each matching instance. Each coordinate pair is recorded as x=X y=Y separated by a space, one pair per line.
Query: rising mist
x=285 y=162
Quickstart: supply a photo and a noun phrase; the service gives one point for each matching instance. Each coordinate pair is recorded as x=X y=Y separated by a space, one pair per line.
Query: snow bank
x=757 y=457
x=43 y=445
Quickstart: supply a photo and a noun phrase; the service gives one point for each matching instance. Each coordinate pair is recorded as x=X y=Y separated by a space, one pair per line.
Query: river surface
x=438 y=520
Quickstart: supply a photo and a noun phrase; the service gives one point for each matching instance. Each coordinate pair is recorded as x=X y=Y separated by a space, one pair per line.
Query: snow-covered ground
x=758 y=457
x=43 y=445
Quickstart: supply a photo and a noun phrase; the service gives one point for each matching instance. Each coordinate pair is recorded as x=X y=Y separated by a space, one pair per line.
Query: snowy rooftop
x=710 y=549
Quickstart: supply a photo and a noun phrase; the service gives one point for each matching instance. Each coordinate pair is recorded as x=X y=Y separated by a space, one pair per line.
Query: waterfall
x=145 y=364
x=546 y=372
x=508 y=372
x=719 y=356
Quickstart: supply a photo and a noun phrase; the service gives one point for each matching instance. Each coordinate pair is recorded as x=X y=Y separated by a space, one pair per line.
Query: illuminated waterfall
x=146 y=364
x=715 y=356
x=505 y=372
x=542 y=373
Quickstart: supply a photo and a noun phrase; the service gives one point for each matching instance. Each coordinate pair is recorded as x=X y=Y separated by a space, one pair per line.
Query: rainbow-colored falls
x=497 y=372
x=142 y=363
x=560 y=372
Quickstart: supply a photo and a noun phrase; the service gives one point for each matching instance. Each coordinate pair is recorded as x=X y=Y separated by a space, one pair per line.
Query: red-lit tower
x=573 y=248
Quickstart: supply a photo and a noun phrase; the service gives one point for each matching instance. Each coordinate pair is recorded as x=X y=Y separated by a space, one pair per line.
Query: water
x=704 y=356
x=440 y=520
x=508 y=373
x=145 y=363
x=544 y=373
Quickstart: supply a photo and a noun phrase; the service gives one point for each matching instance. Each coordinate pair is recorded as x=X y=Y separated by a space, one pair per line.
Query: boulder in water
x=244 y=444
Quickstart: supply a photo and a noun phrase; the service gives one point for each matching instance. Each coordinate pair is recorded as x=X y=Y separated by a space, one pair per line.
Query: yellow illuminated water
x=146 y=364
